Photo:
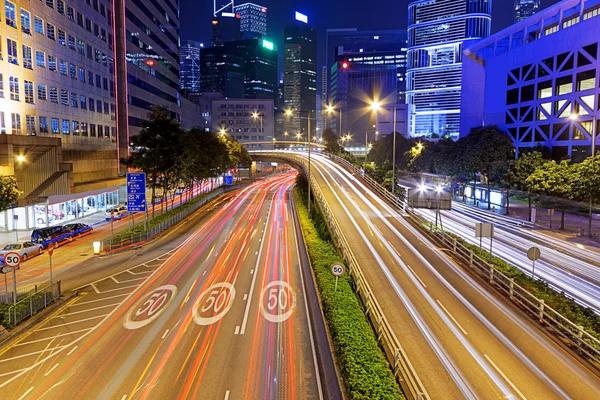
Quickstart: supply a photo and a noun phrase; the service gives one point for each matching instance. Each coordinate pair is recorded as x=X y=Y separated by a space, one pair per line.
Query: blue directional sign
x=136 y=191
x=229 y=180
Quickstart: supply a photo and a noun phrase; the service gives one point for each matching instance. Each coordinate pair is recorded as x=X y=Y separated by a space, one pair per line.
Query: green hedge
x=574 y=312
x=364 y=367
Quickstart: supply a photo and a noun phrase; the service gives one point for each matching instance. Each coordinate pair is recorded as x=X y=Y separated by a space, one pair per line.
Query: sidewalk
x=576 y=226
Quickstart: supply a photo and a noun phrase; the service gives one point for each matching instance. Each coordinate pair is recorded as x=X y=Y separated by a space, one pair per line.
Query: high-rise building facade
x=147 y=40
x=57 y=109
x=189 y=72
x=300 y=76
x=225 y=28
x=249 y=121
x=370 y=47
x=253 y=20
x=242 y=68
x=525 y=9
x=437 y=30
x=223 y=6
x=538 y=80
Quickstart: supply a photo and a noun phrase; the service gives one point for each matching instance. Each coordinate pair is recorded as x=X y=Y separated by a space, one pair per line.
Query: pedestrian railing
x=29 y=305
x=403 y=370
x=575 y=336
x=127 y=240
x=8 y=296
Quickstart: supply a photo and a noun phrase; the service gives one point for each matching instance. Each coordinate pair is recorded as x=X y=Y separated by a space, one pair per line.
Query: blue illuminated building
x=538 y=80
x=437 y=32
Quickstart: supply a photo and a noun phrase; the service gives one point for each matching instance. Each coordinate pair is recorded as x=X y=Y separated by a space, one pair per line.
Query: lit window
x=12 y=51
x=25 y=22
x=30 y=125
x=40 y=59
x=27 y=57
x=55 y=125
x=38 y=25
x=14 y=88
x=66 y=129
x=42 y=92
x=16 y=123
x=53 y=95
x=11 y=14
x=28 y=90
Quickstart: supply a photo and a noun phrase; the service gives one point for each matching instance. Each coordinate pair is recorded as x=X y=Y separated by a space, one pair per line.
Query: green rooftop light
x=267 y=45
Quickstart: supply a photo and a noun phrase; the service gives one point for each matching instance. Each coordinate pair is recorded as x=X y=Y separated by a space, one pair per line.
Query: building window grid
x=16 y=123
x=28 y=90
x=27 y=57
x=14 y=88
x=25 y=22
x=11 y=14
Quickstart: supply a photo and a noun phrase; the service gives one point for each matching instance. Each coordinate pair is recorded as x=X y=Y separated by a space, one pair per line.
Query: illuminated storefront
x=58 y=210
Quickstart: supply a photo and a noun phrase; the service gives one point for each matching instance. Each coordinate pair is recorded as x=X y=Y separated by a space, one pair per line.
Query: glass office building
x=189 y=73
x=437 y=31
x=525 y=9
x=538 y=80
x=253 y=20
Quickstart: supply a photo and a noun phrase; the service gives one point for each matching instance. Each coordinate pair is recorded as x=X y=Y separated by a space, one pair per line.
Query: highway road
x=70 y=254
x=463 y=341
x=216 y=310
x=569 y=267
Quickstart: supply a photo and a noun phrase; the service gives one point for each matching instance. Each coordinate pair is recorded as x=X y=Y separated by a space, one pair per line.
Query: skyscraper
x=300 y=75
x=525 y=9
x=221 y=72
x=147 y=62
x=225 y=28
x=189 y=73
x=371 y=47
x=253 y=20
x=223 y=6
x=437 y=31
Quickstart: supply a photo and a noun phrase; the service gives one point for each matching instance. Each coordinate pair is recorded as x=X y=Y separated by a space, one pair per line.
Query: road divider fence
x=26 y=307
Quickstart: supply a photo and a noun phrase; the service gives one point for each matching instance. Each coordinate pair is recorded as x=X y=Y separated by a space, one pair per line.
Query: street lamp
x=222 y=132
x=256 y=115
x=575 y=117
x=289 y=112
x=376 y=106
x=330 y=110
x=21 y=158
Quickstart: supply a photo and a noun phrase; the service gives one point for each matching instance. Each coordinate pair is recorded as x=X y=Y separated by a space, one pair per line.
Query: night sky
x=195 y=16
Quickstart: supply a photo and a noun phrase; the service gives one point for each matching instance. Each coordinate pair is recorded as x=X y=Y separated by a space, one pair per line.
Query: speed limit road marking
x=150 y=307
x=213 y=303
x=277 y=301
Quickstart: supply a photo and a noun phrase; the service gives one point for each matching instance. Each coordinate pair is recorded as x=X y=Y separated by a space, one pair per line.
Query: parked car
x=119 y=212
x=78 y=229
x=44 y=236
x=25 y=250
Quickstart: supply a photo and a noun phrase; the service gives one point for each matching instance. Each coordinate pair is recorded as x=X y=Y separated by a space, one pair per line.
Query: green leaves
x=9 y=194
x=364 y=368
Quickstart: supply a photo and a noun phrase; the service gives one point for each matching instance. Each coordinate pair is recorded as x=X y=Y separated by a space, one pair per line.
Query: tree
x=331 y=141
x=157 y=150
x=9 y=194
x=522 y=168
x=205 y=155
x=586 y=183
x=554 y=179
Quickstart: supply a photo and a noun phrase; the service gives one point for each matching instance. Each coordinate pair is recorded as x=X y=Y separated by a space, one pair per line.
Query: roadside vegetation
x=364 y=368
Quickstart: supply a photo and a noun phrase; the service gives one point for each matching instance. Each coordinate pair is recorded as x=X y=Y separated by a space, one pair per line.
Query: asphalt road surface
x=463 y=341
x=214 y=311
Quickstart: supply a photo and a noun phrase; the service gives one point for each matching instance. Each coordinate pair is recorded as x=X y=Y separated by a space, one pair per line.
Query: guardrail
x=403 y=370
x=575 y=336
x=31 y=304
x=8 y=297
x=126 y=241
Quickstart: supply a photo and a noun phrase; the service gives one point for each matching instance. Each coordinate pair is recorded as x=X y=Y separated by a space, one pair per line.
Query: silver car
x=25 y=250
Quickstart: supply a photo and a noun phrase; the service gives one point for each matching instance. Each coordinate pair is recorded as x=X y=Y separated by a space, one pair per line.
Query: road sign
x=484 y=230
x=337 y=269
x=50 y=249
x=534 y=253
x=229 y=180
x=12 y=259
x=6 y=270
x=136 y=191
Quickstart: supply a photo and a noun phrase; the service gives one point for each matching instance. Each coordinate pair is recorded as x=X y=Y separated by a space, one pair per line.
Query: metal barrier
x=403 y=370
x=31 y=304
x=128 y=240
x=8 y=297
x=575 y=336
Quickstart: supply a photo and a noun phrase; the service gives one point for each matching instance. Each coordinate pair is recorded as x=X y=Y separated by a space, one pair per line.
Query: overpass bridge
x=296 y=145
x=446 y=334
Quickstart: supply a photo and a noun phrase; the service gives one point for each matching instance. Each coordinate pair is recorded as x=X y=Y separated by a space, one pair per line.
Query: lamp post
x=575 y=117
x=256 y=115
x=290 y=113
x=330 y=109
x=376 y=106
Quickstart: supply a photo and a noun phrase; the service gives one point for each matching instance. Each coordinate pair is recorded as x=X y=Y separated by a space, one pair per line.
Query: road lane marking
x=12 y=372
x=132 y=280
x=121 y=288
x=226 y=395
x=251 y=271
x=84 y=311
x=97 y=300
x=26 y=393
x=74 y=348
x=71 y=323
x=124 y=397
x=247 y=311
x=114 y=279
x=416 y=276
x=165 y=334
x=505 y=377
x=51 y=369
x=52 y=337
x=95 y=288
x=310 y=331
x=34 y=353
x=237 y=330
x=451 y=317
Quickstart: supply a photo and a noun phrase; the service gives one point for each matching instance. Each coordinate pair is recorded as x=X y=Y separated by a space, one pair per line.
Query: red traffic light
x=150 y=63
